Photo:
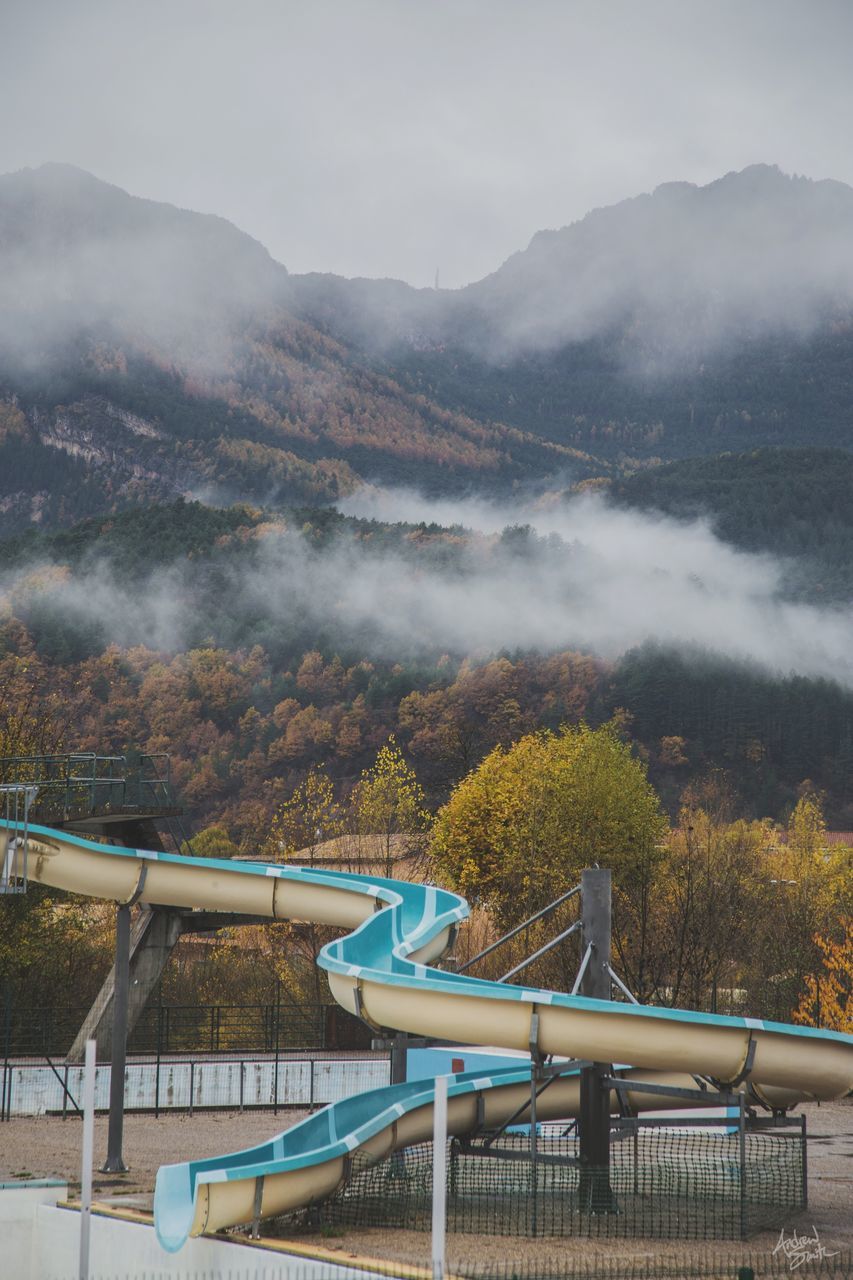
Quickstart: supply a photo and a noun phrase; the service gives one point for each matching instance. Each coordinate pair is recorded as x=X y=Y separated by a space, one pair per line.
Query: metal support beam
x=399 y=1056
x=535 y=1061
x=561 y=937
x=539 y=915
x=153 y=937
x=703 y=1097
x=596 y=1195
x=114 y=1162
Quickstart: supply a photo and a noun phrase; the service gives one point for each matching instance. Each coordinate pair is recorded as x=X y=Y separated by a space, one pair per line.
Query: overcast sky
x=395 y=137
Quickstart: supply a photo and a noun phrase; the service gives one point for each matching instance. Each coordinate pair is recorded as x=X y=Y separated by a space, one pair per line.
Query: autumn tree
x=307 y=818
x=827 y=1000
x=388 y=802
x=214 y=842
x=706 y=895
x=31 y=719
x=806 y=889
x=52 y=946
x=520 y=828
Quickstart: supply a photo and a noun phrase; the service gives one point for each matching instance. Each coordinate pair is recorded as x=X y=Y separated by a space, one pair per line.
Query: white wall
x=214 y=1082
x=18 y=1204
x=42 y=1242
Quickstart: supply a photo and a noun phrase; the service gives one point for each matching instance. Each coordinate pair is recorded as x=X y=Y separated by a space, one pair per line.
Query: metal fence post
x=7 y=1022
x=277 y=1029
x=742 y=1158
x=534 y=1149
x=157 y=1062
x=88 y=1151
x=7 y=1036
x=439 y=1178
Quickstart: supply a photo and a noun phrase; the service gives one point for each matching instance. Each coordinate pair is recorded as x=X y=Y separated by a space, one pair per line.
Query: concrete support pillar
x=152 y=940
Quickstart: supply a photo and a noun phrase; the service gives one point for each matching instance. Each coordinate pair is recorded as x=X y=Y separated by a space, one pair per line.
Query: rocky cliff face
x=66 y=460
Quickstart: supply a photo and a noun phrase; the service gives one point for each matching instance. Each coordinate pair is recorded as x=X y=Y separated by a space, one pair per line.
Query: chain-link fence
x=663 y=1183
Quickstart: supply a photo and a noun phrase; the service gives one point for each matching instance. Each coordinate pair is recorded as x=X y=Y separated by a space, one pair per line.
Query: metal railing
x=78 y=785
x=15 y=802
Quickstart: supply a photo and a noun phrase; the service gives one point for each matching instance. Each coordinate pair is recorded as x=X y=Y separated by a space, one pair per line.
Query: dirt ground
x=50 y=1147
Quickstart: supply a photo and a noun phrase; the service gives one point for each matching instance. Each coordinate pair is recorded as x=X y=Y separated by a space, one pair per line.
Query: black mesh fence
x=761 y=1267
x=36 y=1030
x=663 y=1183
x=748 y=1267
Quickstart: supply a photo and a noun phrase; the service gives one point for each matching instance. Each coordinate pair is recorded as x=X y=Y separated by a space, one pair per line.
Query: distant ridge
x=148 y=351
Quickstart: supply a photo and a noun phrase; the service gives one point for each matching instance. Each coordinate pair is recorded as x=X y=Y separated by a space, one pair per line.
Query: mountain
x=687 y=321
x=147 y=352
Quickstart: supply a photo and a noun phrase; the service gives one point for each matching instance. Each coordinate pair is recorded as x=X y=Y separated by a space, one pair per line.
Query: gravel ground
x=49 y=1147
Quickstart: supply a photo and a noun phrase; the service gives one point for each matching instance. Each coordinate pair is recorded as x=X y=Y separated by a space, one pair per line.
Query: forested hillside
x=149 y=354
x=247 y=692
x=796 y=503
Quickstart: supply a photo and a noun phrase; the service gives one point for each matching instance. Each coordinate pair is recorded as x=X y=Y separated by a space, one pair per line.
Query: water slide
x=381 y=970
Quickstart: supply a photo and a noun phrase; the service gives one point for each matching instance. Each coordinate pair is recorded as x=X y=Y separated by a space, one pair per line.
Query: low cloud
x=579 y=574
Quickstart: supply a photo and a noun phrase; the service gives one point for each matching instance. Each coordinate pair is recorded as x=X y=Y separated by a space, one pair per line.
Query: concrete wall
x=129 y=1250
x=18 y=1204
x=42 y=1242
x=211 y=1082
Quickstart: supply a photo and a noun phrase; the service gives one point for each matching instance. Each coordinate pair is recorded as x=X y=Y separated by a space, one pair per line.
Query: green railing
x=77 y=785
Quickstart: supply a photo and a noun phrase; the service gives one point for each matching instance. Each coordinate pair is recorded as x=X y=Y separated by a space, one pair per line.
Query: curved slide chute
x=381 y=971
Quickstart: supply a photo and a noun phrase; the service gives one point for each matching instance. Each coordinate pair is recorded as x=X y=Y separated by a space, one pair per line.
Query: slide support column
x=399 y=1057
x=596 y=1195
x=114 y=1162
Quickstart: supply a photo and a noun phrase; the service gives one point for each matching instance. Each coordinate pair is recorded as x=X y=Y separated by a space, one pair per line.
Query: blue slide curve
x=381 y=969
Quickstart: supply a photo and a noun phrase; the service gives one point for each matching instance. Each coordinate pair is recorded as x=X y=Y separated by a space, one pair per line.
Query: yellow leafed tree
x=388 y=802
x=828 y=997
x=519 y=829
x=310 y=816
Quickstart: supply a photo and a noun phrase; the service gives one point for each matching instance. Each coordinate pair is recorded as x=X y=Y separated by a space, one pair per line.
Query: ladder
x=15 y=801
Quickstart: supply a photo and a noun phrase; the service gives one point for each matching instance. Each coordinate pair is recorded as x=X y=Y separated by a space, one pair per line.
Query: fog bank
x=578 y=574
